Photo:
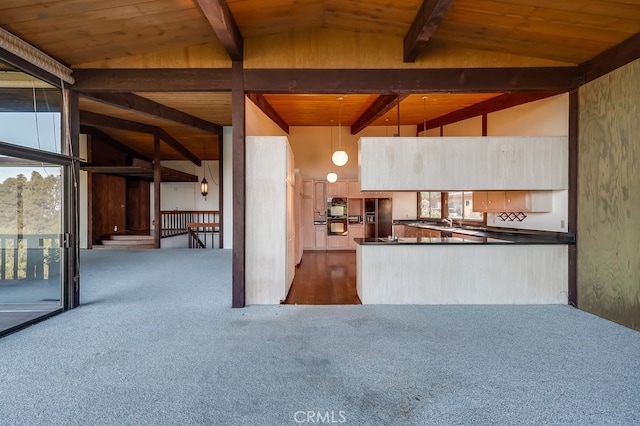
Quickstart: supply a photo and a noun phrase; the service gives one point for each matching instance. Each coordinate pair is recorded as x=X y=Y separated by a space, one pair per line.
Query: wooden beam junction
x=219 y=16
x=424 y=26
x=379 y=107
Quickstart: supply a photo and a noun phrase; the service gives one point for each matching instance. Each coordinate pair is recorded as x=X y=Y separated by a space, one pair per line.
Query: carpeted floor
x=156 y=343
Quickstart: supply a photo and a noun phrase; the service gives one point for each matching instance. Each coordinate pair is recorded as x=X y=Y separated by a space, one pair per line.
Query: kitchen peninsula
x=472 y=267
x=446 y=265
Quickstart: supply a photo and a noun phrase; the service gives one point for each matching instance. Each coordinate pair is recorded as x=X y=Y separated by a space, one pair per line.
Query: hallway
x=325 y=278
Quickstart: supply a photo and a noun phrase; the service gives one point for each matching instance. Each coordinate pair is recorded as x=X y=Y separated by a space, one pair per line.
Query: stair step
x=131 y=237
x=123 y=246
x=126 y=242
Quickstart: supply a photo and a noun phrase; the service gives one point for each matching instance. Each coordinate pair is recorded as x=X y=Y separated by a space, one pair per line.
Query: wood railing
x=197 y=223
x=198 y=234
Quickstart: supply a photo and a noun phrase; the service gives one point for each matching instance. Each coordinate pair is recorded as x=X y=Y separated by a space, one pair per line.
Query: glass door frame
x=69 y=241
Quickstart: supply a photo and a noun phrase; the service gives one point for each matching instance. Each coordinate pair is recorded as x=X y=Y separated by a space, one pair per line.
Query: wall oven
x=336 y=226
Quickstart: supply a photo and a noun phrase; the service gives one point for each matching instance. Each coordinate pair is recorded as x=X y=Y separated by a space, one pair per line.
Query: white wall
x=312 y=148
x=405 y=205
x=257 y=122
x=546 y=117
x=227 y=187
x=469 y=127
x=186 y=195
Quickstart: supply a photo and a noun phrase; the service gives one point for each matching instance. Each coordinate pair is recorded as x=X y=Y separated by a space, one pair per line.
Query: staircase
x=126 y=242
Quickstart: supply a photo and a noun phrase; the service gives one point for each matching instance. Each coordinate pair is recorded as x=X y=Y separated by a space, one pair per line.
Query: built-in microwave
x=336 y=226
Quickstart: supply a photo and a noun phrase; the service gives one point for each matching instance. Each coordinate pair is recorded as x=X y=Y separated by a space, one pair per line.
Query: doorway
x=325 y=278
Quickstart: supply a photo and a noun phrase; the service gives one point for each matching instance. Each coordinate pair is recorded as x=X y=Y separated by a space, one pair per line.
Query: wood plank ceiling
x=88 y=31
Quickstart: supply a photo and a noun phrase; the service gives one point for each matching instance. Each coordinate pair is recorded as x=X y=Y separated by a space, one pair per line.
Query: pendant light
x=331 y=176
x=340 y=157
x=204 y=185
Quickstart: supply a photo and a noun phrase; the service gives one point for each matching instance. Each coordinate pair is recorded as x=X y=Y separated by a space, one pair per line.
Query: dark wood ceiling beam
x=219 y=16
x=126 y=80
x=611 y=59
x=498 y=103
x=424 y=25
x=113 y=142
x=396 y=81
x=99 y=120
x=379 y=107
x=136 y=103
x=167 y=172
x=330 y=81
x=177 y=146
x=262 y=103
x=144 y=172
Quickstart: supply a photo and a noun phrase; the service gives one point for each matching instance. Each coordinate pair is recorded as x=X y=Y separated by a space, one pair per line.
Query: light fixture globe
x=340 y=158
x=332 y=177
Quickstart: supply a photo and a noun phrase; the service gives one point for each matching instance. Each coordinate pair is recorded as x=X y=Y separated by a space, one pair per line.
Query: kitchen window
x=458 y=206
x=430 y=205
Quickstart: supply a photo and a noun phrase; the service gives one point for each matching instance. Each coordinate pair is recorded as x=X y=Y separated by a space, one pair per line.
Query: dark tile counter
x=490 y=235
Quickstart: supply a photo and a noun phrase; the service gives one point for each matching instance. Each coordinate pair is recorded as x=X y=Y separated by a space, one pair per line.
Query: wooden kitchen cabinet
x=428 y=233
x=337 y=242
x=319 y=196
x=338 y=189
x=355 y=231
x=321 y=237
x=512 y=201
x=398 y=230
x=488 y=201
x=353 y=189
x=529 y=201
x=410 y=231
x=307 y=188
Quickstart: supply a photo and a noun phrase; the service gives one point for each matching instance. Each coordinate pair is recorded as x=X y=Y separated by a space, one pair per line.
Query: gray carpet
x=156 y=343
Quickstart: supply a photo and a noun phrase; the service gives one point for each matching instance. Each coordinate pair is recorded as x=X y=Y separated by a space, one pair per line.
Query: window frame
x=444 y=202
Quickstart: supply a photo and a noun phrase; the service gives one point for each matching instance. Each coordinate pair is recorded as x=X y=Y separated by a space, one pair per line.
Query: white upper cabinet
x=464 y=163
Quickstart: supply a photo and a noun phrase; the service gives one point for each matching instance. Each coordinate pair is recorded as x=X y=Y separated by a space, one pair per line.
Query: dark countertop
x=476 y=235
x=430 y=240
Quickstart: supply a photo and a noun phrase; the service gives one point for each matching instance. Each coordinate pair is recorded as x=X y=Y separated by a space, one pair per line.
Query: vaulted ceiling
x=126 y=33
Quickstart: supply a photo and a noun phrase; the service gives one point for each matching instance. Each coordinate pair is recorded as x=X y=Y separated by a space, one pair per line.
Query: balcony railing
x=29 y=257
x=199 y=224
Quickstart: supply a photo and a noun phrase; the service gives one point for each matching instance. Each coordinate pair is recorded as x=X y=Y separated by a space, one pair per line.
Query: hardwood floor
x=325 y=278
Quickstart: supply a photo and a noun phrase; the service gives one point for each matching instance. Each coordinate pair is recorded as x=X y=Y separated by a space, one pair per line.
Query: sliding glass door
x=30 y=250
x=35 y=169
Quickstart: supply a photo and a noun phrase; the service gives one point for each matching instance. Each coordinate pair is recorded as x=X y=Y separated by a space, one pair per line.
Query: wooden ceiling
x=88 y=32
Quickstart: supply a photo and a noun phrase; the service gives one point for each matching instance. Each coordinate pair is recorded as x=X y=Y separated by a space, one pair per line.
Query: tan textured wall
x=609 y=197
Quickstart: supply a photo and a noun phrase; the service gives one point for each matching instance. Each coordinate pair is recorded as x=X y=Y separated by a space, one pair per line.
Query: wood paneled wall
x=609 y=197
x=210 y=55
x=109 y=205
x=330 y=48
x=138 y=206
